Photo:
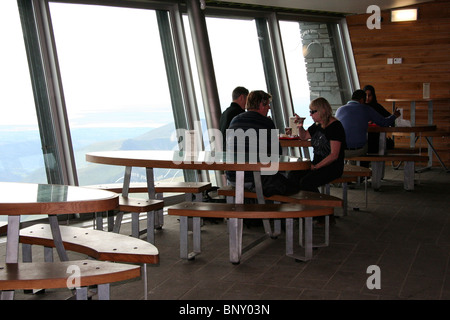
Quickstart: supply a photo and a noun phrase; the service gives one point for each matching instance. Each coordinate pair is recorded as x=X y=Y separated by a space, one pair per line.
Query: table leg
x=235 y=224
x=235 y=233
x=57 y=238
x=12 y=239
x=260 y=197
x=126 y=181
x=382 y=143
x=412 y=142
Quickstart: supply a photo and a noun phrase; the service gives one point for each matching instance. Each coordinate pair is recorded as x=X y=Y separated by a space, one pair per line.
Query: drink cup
x=288 y=131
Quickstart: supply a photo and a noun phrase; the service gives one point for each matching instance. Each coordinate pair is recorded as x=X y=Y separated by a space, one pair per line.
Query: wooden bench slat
x=358 y=171
x=302 y=197
x=252 y=211
x=390 y=157
x=51 y=275
x=378 y=163
x=127 y=204
x=101 y=245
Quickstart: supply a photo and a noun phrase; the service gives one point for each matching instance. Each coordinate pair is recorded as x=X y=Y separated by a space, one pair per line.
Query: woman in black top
x=328 y=141
x=373 y=137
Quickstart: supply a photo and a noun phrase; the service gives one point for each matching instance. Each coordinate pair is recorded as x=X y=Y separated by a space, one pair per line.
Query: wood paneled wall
x=424 y=46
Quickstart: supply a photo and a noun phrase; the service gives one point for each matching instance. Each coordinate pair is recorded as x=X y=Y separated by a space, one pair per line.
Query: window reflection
x=21 y=157
x=115 y=85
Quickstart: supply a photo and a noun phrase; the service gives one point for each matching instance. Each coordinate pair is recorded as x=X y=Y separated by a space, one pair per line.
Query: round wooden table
x=205 y=160
x=18 y=199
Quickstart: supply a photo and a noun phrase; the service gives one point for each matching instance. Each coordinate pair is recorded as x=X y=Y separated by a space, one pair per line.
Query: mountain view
x=22 y=160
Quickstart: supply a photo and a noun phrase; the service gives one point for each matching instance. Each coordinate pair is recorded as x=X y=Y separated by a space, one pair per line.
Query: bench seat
x=378 y=161
x=235 y=213
x=302 y=197
x=52 y=275
x=100 y=245
x=189 y=188
x=137 y=206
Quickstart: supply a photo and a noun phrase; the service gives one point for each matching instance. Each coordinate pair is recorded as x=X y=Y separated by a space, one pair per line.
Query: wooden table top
x=204 y=160
x=32 y=198
x=295 y=143
x=416 y=100
x=425 y=128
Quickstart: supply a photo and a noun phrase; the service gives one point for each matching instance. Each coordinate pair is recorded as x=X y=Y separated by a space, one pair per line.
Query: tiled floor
x=405 y=234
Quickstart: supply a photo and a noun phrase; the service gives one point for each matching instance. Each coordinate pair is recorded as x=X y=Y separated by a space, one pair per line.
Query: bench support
x=308 y=245
x=184 y=237
x=408 y=175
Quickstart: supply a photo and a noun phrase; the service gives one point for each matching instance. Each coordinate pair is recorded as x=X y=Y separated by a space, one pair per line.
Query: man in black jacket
x=237 y=106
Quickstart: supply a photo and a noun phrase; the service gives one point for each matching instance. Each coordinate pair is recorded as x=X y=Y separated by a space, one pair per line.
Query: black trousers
x=311 y=180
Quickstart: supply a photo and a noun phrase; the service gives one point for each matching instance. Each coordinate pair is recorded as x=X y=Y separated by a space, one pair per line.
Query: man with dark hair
x=254 y=134
x=355 y=117
x=237 y=106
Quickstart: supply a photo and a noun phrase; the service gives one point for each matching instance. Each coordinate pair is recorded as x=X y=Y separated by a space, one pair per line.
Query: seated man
x=355 y=117
x=245 y=135
x=237 y=106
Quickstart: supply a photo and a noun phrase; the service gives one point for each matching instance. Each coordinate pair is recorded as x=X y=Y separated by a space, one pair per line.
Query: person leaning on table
x=355 y=117
x=328 y=141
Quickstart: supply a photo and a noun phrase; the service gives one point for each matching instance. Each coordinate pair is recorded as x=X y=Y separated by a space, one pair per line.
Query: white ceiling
x=341 y=6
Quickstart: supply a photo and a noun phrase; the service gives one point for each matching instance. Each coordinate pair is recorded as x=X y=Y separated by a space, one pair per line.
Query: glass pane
x=115 y=86
x=21 y=157
x=310 y=64
x=236 y=56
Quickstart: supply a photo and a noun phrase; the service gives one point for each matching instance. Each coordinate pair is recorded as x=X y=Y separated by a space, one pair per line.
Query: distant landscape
x=21 y=157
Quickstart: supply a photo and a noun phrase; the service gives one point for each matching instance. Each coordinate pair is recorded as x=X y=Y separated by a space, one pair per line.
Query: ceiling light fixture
x=404 y=15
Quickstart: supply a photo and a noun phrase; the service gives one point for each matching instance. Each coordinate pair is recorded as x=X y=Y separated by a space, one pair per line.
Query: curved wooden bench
x=377 y=163
x=52 y=275
x=188 y=188
x=235 y=213
x=101 y=245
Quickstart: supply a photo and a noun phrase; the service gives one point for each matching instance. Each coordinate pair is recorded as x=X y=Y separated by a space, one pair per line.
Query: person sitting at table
x=373 y=138
x=355 y=117
x=328 y=141
x=258 y=106
x=237 y=106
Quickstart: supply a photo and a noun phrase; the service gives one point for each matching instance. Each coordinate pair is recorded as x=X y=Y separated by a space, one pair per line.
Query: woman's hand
x=302 y=133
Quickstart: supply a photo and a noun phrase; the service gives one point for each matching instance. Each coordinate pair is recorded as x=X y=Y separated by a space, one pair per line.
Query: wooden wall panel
x=424 y=46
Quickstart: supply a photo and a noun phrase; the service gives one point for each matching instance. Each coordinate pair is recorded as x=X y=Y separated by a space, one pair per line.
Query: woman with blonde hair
x=328 y=141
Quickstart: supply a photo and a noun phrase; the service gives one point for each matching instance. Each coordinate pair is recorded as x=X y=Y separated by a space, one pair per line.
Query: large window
x=311 y=64
x=124 y=79
x=21 y=158
x=236 y=56
x=115 y=85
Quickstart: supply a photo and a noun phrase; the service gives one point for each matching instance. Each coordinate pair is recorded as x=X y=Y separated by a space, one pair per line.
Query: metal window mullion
x=270 y=70
x=281 y=70
x=40 y=91
x=185 y=72
x=345 y=60
x=56 y=93
x=178 y=106
x=205 y=64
